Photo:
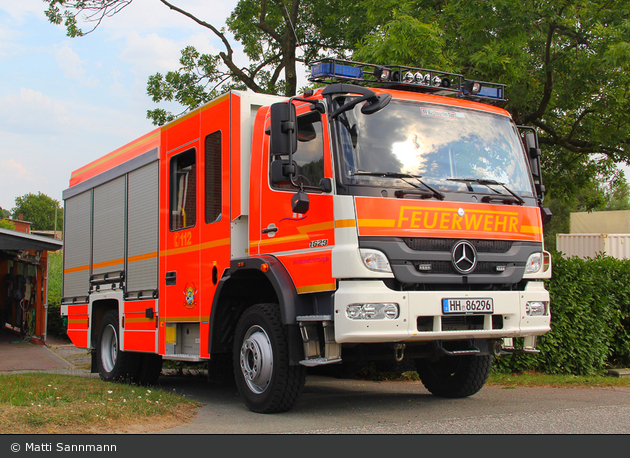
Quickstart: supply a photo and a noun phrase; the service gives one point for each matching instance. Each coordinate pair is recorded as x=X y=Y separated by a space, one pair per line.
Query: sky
x=65 y=102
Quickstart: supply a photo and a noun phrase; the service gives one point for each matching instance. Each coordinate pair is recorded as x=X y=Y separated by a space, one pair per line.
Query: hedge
x=590 y=320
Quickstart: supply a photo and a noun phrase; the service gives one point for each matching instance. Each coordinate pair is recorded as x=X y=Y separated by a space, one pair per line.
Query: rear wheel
x=454 y=376
x=149 y=370
x=266 y=382
x=113 y=365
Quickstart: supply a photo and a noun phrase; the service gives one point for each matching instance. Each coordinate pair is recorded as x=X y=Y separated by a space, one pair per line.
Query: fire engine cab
x=393 y=214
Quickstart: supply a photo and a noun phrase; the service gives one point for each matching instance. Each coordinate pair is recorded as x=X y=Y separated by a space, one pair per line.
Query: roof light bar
x=332 y=70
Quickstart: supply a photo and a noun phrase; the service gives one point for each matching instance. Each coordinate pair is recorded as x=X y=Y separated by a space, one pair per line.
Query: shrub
x=590 y=318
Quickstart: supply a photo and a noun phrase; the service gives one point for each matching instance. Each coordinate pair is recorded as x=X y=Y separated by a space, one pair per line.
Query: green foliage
x=590 y=320
x=565 y=63
x=57 y=326
x=6 y=224
x=39 y=209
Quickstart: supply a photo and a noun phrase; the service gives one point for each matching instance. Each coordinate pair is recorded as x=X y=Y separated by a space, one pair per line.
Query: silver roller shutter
x=109 y=227
x=143 y=213
x=77 y=245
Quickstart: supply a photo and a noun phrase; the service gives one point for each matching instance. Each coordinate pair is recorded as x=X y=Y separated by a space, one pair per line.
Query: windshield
x=450 y=148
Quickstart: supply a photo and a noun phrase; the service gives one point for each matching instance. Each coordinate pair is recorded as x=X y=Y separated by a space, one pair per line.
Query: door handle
x=171 y=278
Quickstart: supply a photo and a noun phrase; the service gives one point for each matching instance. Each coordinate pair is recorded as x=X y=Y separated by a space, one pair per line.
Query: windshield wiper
x=405 y=176
x=486 y=182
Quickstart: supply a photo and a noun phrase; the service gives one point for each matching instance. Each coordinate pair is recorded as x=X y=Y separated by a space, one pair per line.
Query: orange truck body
x=178 y=233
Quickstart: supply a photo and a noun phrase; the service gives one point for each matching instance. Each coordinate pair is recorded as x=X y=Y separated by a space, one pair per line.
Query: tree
x=566 y=64
x=40 y=210
x=6 y=224
x=275 y=34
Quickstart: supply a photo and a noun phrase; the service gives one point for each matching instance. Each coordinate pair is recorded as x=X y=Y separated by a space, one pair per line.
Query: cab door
x=302 y=242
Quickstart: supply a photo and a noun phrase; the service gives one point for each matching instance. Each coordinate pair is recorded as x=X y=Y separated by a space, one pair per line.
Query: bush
x=57 y=326
x=590 y=318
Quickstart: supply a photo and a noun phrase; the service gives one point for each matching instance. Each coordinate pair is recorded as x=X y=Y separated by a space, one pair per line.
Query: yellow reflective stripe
x=377 y=223
x=315 y=288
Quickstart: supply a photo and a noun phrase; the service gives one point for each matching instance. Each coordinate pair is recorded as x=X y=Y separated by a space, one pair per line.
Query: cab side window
x=213 y=177
x=309 y=157
x=183 y=190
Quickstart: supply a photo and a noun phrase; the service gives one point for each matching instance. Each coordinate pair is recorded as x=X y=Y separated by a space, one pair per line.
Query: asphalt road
x=342 y=406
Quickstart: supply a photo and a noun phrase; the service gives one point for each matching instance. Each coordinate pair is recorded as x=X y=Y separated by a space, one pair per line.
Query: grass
x=534 y=379
x=530 y=379
x=36 y=403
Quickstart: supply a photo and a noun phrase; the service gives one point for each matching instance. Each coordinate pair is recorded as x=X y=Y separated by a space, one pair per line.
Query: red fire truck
x=394 y=214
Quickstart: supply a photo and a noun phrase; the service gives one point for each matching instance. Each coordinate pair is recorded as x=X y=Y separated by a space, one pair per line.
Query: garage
x=23 y=281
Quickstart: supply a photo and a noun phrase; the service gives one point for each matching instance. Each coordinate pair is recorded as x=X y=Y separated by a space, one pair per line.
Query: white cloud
x=72 y=65
x=33 y=113
x=16 y=170
x=19 y=9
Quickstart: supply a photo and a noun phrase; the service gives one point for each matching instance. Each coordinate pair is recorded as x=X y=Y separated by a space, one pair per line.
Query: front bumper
x=421 y=317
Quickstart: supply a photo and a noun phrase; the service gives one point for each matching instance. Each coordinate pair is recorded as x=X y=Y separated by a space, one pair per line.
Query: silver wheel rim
x=109 y=348
x=256 y=359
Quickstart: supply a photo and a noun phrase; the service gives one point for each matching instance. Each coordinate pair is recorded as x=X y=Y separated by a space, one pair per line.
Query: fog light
x=536 y=308
x=373 y=311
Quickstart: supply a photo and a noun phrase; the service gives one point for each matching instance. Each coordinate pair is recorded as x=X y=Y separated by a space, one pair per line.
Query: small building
x=593 y=233
x=24 y=279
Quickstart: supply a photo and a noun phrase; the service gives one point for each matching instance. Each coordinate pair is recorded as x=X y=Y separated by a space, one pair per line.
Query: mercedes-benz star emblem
x=464 y=257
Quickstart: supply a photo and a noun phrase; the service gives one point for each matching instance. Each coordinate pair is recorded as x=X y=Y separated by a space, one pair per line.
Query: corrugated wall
x=77 y=245
x=589 y=245
x=143 y=212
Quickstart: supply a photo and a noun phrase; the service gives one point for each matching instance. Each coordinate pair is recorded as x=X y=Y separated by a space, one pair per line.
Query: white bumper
x=510 y=318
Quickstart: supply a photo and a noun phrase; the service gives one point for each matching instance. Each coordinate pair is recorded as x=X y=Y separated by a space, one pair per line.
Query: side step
x=316 y=329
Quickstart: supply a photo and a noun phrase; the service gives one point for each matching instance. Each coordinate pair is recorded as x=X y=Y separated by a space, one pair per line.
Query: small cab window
x=183 y=190
x=309 y=156
x=213 y=177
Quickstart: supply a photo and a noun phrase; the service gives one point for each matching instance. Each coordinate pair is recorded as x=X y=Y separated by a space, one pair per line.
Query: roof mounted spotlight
x=472 y=87
x=382 y=73
x=333 y=71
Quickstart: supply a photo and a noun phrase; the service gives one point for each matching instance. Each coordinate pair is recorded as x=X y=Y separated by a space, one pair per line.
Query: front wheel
x=266 y=382
x=454 y=376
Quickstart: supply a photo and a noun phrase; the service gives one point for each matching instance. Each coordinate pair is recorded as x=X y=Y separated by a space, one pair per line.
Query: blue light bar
x=492 y=92
x=330 y=69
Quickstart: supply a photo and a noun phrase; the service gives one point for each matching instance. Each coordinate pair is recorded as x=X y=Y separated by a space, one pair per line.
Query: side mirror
x=283 y=128
x=533 y=152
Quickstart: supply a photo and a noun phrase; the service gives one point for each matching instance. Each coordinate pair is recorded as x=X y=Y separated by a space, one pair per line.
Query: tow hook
x=400 y=352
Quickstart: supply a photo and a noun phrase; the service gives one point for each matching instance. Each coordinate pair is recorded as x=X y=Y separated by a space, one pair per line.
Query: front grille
x=446 y=267
x=433 y=244
x=459 y=323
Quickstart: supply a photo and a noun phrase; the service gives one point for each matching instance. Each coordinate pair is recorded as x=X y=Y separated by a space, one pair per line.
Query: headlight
x=375 y=260
x=534 y=263
x=373 y=311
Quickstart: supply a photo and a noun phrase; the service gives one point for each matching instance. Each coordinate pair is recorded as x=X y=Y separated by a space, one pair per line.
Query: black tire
x=149 y=370
x=113 y=365
x=266 y=382
x=454 y=376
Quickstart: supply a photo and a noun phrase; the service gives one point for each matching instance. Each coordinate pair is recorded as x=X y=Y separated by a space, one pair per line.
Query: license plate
x=467 y=305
